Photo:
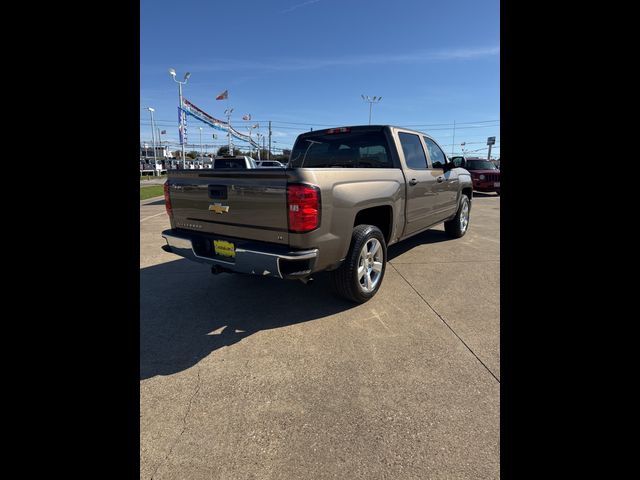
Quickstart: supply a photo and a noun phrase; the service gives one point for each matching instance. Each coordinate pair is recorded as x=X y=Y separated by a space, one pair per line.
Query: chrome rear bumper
x=253 y=258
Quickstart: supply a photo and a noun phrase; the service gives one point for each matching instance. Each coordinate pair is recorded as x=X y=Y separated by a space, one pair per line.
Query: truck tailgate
x=249 y=204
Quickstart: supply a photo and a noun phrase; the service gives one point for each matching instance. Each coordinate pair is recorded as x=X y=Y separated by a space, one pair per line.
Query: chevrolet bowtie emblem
x=219 y=208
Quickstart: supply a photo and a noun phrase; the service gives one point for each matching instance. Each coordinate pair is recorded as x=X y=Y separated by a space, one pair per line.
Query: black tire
x=345 y=279
x=454 y=226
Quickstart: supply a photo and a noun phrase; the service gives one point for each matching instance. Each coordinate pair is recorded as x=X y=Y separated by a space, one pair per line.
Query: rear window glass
x=356 y=150
x=229 y=163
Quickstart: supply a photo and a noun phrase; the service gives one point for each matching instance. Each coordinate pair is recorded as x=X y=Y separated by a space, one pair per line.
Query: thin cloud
x=292 y=8
x=279 y=65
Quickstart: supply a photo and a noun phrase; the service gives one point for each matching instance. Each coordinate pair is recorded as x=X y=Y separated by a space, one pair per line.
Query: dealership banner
x=216 y=123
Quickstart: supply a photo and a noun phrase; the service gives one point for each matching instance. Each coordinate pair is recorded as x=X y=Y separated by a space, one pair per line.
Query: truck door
x=421 y=184
x=446 y=182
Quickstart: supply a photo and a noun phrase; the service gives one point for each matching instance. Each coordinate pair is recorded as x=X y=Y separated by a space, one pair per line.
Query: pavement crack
x=447 y=325
x=184 y=427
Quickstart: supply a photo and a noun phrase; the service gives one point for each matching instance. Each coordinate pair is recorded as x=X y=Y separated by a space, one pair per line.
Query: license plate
x=224 y=248
x=496 y=184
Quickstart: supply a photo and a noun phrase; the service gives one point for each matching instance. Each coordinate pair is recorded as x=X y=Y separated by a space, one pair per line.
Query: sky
x=304 y=64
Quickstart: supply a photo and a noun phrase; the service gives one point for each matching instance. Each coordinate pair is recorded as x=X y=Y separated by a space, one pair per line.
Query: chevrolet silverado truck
x=345 y=195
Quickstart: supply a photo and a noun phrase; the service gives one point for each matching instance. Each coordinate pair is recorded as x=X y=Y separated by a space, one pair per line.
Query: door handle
x=413 y=181
x=440 y=179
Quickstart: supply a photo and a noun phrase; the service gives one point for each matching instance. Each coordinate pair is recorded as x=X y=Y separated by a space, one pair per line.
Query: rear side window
x=413 y=151
x=437 y=156
x=357 y=150
x=229 y=163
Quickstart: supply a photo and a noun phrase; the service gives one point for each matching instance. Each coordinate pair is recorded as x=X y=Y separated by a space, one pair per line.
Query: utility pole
x=453 y=143
x=269 y=154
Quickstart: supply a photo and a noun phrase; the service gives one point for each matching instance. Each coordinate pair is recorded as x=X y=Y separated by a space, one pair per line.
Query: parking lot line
x=156 y=215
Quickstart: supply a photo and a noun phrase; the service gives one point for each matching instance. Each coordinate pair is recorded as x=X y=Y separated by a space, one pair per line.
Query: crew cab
x=346 y=194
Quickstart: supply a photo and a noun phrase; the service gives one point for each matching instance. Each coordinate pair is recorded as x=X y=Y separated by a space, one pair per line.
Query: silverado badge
x=219 y=208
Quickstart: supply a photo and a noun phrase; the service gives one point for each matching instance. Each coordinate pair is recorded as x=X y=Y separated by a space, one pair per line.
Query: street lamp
x=228 y=113
x=371 y=101
x=172 y=72
x=153 y=135
x=260 y=136
x=250 y=140
x=201 y=142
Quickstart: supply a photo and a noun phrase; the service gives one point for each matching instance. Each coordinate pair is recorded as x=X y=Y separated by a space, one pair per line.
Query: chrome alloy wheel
x=370 y=265
x=464 y=216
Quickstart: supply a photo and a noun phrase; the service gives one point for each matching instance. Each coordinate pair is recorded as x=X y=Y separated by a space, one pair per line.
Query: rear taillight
x=167 y=199
x=304 y=207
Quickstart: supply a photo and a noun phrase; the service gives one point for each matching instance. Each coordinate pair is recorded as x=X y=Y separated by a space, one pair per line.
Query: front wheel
x=359 y=278
x=457 y=226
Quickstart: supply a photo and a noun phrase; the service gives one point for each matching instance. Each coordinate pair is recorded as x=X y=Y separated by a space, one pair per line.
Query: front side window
x=413 y=151
x=438 y=158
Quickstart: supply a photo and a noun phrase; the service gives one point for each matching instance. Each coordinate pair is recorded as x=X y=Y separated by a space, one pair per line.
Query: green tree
x=192 y=154
x=224 y=150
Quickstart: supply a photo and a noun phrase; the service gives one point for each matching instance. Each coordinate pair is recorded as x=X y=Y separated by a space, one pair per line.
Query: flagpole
x=229 y=150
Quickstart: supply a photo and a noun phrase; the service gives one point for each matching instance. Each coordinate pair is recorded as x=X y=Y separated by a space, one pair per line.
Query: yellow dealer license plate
x=224 y=248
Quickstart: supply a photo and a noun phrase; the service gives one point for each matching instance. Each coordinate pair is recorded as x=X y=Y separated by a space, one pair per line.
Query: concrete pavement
x=252 y=377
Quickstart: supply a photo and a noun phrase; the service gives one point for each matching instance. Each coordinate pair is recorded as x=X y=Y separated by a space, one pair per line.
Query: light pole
x=160 y=140
x=228 y=113
x=259 y=135
x=153 y=136
x=172 y=72
x=201 y=142
x=250 y=140
x=371 y=101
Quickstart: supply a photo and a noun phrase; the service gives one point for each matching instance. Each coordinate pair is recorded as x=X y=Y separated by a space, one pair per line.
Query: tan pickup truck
x=345 y=195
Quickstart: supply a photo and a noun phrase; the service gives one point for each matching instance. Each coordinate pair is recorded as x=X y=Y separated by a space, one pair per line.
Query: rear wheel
x=359 y=278
x=458 y=225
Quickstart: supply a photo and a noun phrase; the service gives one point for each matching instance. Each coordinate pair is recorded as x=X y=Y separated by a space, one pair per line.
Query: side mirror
x=458 y=162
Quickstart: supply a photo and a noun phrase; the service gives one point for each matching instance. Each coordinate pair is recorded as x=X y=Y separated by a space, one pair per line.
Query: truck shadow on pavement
x=186 y=313
x=428 y=236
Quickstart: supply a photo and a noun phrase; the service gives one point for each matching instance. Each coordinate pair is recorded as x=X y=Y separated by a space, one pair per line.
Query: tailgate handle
x=218 y=192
